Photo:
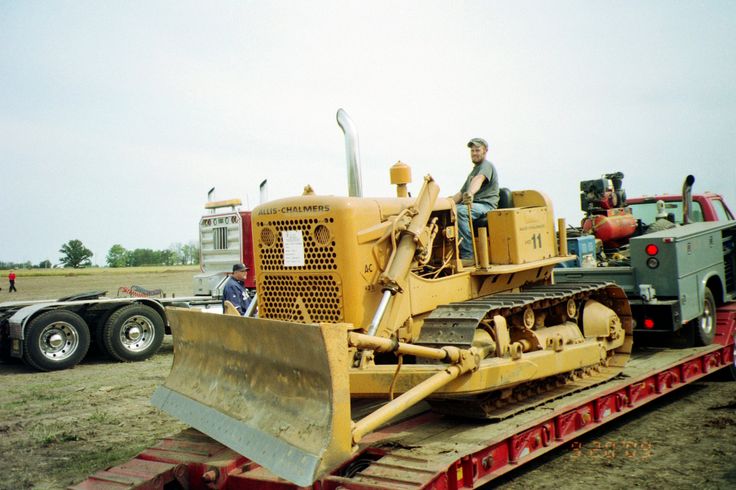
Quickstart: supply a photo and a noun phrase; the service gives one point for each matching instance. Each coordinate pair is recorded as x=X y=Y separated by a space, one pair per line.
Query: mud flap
x=276 y=392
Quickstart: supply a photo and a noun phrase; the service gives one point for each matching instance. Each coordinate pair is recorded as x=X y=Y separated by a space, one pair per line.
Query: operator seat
x=505 y=198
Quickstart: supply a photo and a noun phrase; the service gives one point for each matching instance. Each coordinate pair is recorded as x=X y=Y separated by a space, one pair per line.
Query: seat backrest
x=505 y=198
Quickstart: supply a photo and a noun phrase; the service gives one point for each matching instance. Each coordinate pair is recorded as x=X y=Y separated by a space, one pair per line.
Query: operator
x=481 y=191
x=235 y=291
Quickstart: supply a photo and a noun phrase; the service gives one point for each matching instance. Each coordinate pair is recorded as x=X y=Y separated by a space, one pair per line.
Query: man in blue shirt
x=480 y=191
x=235 y=291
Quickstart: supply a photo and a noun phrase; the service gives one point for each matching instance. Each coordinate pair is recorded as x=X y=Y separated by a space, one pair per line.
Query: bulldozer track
x=455 y=324
x=494 y=407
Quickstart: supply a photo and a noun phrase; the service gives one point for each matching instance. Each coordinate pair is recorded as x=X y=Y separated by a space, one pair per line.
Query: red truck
x=707 y=206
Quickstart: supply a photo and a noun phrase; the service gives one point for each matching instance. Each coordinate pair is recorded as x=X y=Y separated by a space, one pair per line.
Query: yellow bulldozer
x=364 y=309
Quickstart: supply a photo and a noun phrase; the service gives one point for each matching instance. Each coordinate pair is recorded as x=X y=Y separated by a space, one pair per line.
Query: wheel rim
x=706 y=319
x=58 y=341
x=137 y=333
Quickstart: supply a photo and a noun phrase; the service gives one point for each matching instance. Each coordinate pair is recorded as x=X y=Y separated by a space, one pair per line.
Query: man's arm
x=476 y=184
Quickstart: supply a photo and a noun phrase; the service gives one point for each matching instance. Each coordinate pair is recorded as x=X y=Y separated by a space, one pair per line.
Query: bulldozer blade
x=276 y=392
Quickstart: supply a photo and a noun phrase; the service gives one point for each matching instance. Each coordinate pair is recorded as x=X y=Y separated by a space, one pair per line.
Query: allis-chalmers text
x=317 y=208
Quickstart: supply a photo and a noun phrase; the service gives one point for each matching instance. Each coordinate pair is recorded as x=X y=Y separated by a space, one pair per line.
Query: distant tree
x=143 y=256
x=75 y=254
x=190 y=253
x=175 y=249
x=168 y=257
x=16 y=265
x=44 y=264
x=117 y=256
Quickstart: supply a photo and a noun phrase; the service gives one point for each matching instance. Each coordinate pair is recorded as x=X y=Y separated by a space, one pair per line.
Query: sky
x=117 y=117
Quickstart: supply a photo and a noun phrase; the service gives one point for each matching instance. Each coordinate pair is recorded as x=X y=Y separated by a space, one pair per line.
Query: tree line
x=176 y=254
x=76 y=255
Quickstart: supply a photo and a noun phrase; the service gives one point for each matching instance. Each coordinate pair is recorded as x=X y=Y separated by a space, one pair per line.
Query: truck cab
x=224 y=239
x=708 y=206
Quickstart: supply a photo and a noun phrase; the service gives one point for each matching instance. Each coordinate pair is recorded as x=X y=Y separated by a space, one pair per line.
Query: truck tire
x=133 y=333
x=56 y=339
x=705 y=325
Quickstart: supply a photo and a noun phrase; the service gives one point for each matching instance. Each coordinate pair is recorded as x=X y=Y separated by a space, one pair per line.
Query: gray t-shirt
x=488 y=192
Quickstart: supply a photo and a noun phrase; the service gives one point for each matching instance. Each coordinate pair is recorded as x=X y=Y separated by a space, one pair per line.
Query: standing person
x=11 y=280
x=481 y=191
x=235 y=291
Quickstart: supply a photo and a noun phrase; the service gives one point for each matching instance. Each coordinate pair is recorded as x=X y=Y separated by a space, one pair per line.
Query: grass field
x=55 y=283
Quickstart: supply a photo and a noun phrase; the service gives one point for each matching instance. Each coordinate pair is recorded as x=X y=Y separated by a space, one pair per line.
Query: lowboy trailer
x=427 y=450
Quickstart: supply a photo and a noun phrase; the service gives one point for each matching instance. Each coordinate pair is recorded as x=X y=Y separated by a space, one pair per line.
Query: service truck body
x=670 y=270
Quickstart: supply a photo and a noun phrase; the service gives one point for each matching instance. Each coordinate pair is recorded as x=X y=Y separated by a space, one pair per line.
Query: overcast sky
x=117 y=117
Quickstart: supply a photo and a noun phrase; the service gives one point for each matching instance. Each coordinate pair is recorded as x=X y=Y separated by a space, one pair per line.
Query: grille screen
x=220 y=237
x=295 y=298
x=309 y=293
x=319 y=245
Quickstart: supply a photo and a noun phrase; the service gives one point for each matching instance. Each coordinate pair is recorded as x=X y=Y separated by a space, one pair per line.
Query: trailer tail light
x=648 y=323
x=652 y=262
x=652 y=249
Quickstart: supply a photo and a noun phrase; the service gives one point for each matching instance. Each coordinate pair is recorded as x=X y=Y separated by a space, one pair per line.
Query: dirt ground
x=57 y=428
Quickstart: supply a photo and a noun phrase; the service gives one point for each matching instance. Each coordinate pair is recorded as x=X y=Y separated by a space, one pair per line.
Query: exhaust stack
x=263 y=191
x=355 y=183
x=687 y=200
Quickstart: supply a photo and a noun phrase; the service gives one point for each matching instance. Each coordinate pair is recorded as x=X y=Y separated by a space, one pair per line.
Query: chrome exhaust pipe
x=687 y=200
x=355 y=183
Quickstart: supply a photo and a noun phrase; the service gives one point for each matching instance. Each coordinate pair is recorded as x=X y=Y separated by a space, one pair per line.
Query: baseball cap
x=477 y=142
x=239 y=267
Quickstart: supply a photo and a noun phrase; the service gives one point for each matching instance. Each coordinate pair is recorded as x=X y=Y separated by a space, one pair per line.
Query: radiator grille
x=303 y=299
x=219 y=236
x=319 y=244
x=306 y=294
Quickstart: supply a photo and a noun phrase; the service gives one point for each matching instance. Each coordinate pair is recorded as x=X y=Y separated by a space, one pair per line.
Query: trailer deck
x=433 y=451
